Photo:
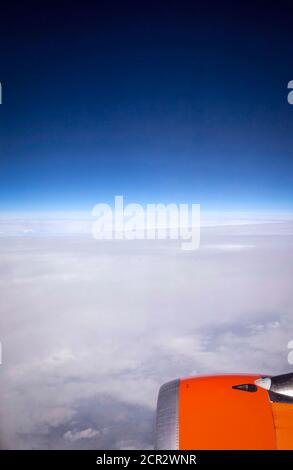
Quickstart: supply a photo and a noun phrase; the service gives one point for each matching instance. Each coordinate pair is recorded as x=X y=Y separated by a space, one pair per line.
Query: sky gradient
x=158 y=101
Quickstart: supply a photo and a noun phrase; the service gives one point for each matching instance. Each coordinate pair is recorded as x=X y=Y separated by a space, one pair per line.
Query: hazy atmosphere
x=158 y=101
x=92 y=329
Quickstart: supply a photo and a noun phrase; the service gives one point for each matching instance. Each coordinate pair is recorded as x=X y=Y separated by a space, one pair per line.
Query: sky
x=158 y=101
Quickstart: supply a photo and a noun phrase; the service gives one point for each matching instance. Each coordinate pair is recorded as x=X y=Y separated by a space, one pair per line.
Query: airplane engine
x=226 y=412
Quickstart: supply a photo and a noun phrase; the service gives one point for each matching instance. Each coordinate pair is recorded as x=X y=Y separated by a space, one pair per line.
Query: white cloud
x=228 y=247
x=90 y=330
x=84 y=434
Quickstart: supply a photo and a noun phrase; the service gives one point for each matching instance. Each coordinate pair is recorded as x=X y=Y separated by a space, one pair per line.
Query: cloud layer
x=90 y=330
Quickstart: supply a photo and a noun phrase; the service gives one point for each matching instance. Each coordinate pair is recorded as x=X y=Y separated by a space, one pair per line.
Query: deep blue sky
x=170 y=101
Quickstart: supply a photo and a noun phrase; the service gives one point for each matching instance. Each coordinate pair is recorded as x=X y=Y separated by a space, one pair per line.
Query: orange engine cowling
x=222 y=412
